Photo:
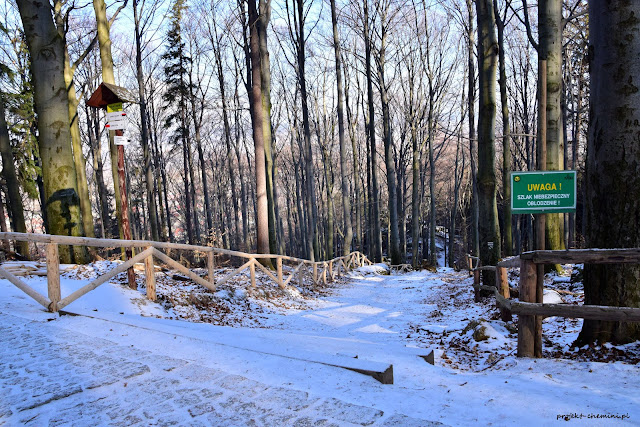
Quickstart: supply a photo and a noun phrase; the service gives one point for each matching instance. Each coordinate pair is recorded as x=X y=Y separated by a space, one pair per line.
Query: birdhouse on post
x=111 y=98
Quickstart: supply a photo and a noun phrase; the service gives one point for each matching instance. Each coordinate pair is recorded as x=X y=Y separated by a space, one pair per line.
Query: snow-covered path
x=122 y=369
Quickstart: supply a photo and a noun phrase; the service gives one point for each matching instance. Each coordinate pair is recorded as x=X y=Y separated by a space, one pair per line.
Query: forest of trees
x=309 y=128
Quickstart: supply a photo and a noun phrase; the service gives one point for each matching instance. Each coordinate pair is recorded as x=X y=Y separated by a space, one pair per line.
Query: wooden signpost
x=111 y=98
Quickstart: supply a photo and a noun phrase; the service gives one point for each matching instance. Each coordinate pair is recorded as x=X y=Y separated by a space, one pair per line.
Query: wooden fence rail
x=531 y=309
x=54 y=301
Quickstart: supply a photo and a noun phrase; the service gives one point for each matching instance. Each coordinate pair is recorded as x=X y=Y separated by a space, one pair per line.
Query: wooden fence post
x=53 y=276
x=279 y=272
x=150 y=277
x=331 y=271
x=476 y=285
x=315 y=273
x=324 y=273
x=502 y=281
x=211 y=265
x=527 y=323
x=252 y=270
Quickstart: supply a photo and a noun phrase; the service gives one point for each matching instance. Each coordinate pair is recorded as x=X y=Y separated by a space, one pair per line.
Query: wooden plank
x=40 y=299
x=229 y=276
x=577 y=256
x=526 y=324
x=150 y=278
x=184 y=270
x=594 y=312
x=53 y=275
x=104 y=278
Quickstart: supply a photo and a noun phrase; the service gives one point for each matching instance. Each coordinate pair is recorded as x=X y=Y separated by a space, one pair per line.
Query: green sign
x=543 y=192
x=112 y=108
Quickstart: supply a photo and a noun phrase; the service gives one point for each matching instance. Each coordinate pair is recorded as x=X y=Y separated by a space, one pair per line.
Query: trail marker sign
x=543 y=192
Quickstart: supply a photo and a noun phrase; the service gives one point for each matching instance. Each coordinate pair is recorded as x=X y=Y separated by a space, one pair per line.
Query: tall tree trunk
x=550 y=49
x=394 y=237
x=506 y=136
x=52 y=107
x=98 y=167
x=314 y=248
x=377 y=235
x=106 y=59
x=475 y=238
x=258 y=122
x=613 y=155
x=144 y=134
x=489 y=229
x=11 y=179
x=346 y=203
x=264 y=7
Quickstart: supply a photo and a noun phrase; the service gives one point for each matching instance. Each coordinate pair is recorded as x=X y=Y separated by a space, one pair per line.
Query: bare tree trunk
x=394 y=238
x=346 y=203
x=375 y=218
x=258 y=122
x=52 y=107
x=550 y=49
x=489 y=229
x=506 y=135
x=475 y=238
x=144 y=134
x=11 y=179
x=613 y=155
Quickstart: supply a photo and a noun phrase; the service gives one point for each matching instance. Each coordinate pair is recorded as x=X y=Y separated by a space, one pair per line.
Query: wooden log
x=503 y=283
x=102 y=279
x=301 y=272
x=331 y=271
x=594 y=312
x=315 y=273
x=211 y=266
x=150 y=277
x=476 y=285
x=40 y=299
x=279 y=272
x=526 y=323
x=587 y=256
x=252 y=270
x=537 y=343
x=324 y=273
x=229 y=276
x=53 y=276
x=513 y=262
x=184 y=270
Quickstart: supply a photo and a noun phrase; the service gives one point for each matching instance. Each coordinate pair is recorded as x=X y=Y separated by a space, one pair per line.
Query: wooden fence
x=321 y=272
x=531 y=309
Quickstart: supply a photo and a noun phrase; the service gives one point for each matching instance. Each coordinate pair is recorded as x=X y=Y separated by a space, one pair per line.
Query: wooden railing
x=321 y=272
x=531 y=309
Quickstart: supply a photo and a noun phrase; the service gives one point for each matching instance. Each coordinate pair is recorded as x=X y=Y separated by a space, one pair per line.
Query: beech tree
x=46 y=47
x=613 y=154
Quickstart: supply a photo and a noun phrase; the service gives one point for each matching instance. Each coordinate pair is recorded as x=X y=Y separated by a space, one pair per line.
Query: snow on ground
x=375 y=316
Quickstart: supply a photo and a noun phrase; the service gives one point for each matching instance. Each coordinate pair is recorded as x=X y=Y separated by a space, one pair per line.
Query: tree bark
x=58 y=169
x=11 y=179
x=613 y=154
x=257 y=120
x=489 y=229
x=346 y=203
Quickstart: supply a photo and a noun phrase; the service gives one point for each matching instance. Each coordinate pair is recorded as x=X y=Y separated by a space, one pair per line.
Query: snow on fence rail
x=54 y=301
x=531 y=309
